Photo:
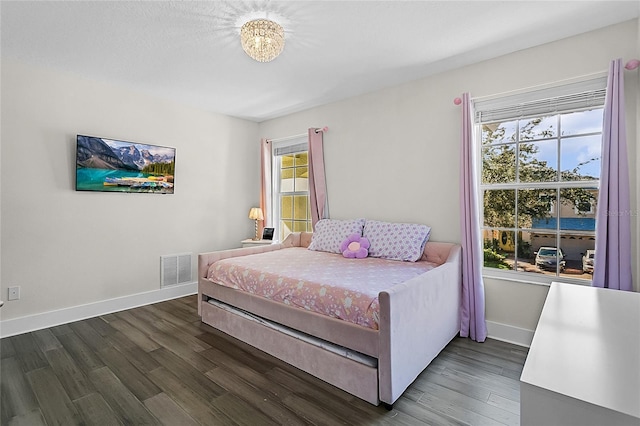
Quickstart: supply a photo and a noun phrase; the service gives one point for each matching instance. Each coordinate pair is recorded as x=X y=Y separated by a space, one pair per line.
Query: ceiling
x=190 y=52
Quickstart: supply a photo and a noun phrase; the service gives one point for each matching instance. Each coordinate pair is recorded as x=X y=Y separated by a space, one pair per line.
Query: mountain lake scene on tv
x=118 y=166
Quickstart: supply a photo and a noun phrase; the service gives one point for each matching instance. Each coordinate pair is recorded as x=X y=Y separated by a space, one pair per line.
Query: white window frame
x=546 y=101
x=285 y=146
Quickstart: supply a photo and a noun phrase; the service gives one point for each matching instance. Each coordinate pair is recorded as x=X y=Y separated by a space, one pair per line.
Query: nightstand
x=249 y=242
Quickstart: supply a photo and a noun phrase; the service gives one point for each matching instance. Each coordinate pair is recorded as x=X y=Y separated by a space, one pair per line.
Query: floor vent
x=175 y=269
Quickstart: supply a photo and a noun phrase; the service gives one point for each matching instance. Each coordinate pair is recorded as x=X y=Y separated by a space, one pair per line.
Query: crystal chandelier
x=262 y=39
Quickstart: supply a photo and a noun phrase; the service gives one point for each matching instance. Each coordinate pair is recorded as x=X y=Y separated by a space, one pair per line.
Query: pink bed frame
x=418 y=318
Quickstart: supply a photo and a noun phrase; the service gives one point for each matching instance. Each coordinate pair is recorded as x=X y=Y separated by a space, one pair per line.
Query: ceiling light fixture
x=262 y=39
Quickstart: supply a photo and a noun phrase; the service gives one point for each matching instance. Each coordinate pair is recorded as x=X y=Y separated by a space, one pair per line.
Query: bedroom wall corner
x=2 y=294
x=634 y=168
x=393 y=154
x=513 y=309
x=68 y=249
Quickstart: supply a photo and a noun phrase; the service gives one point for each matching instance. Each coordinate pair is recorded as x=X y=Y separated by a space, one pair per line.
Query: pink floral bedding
x=321 y=282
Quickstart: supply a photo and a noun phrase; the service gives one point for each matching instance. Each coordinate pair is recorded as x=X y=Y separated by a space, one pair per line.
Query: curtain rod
x=301 y=135
x=631 y=65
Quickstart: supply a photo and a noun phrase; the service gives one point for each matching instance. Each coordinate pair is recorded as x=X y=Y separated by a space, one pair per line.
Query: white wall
x=394 y=154
x=390 y=155
x=637 y=222
x=67 y=248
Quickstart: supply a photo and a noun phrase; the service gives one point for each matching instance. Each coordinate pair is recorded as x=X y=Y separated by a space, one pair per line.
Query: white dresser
x=583 y=367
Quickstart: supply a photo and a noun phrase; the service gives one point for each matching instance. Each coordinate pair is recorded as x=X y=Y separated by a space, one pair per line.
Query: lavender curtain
x=265 y=182
x=317 y=183
x=613 y=222
x=472 y=322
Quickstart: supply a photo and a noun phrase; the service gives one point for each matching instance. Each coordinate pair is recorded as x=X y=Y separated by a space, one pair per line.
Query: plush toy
x=355 y=246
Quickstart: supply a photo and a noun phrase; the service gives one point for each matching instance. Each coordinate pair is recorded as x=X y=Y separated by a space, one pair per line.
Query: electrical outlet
x=14 y=293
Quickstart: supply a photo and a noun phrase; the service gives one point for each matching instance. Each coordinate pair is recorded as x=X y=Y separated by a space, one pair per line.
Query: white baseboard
x=29 y=323
x=506 y=333
x=509 y=333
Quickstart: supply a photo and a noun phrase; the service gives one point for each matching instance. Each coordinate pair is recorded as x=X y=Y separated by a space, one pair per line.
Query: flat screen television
x=110 y=165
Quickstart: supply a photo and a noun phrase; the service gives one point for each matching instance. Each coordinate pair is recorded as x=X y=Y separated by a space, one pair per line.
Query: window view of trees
x=539 y=189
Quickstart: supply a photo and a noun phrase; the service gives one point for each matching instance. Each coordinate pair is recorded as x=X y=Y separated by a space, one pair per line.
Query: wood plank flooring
x=159 y=365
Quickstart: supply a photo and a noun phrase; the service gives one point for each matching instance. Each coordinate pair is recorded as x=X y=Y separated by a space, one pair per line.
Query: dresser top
x=587 y=346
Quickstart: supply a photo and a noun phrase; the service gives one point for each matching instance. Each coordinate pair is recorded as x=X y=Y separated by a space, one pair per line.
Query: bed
x=374 y=353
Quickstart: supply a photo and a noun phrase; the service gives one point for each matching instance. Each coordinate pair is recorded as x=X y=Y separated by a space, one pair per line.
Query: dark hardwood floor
x=159 y=364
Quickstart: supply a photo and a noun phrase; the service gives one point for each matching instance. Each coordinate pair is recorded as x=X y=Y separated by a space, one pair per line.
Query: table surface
x=252 y=241
x=587 y=346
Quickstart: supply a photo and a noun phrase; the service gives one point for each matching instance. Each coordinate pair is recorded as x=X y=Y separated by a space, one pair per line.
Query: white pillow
x=330 y=233
x=396 y=241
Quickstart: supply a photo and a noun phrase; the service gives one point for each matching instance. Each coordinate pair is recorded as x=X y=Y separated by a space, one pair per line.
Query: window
x=584 y=207
x=292 y=212
x=539 y=179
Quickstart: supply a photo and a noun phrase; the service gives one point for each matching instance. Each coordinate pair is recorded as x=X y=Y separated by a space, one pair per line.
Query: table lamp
x=256 y=214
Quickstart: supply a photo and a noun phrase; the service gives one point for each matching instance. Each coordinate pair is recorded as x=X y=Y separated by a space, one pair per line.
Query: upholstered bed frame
x=418 y=318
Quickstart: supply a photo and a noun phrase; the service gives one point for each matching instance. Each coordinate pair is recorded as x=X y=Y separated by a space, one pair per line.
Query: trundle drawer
x=351 y=376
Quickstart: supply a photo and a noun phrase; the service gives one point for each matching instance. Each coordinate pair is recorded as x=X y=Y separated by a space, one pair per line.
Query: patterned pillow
x=396 y=241
x=330 y=233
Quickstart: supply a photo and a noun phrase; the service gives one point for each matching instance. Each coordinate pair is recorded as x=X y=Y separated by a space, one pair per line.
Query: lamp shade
x=256 y=213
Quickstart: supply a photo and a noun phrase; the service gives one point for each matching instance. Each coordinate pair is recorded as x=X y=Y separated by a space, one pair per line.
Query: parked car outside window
x=547 y=257
x=588 y=261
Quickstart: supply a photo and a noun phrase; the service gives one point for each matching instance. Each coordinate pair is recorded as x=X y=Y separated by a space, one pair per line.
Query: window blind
x=290 y=148
x=551 y=100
